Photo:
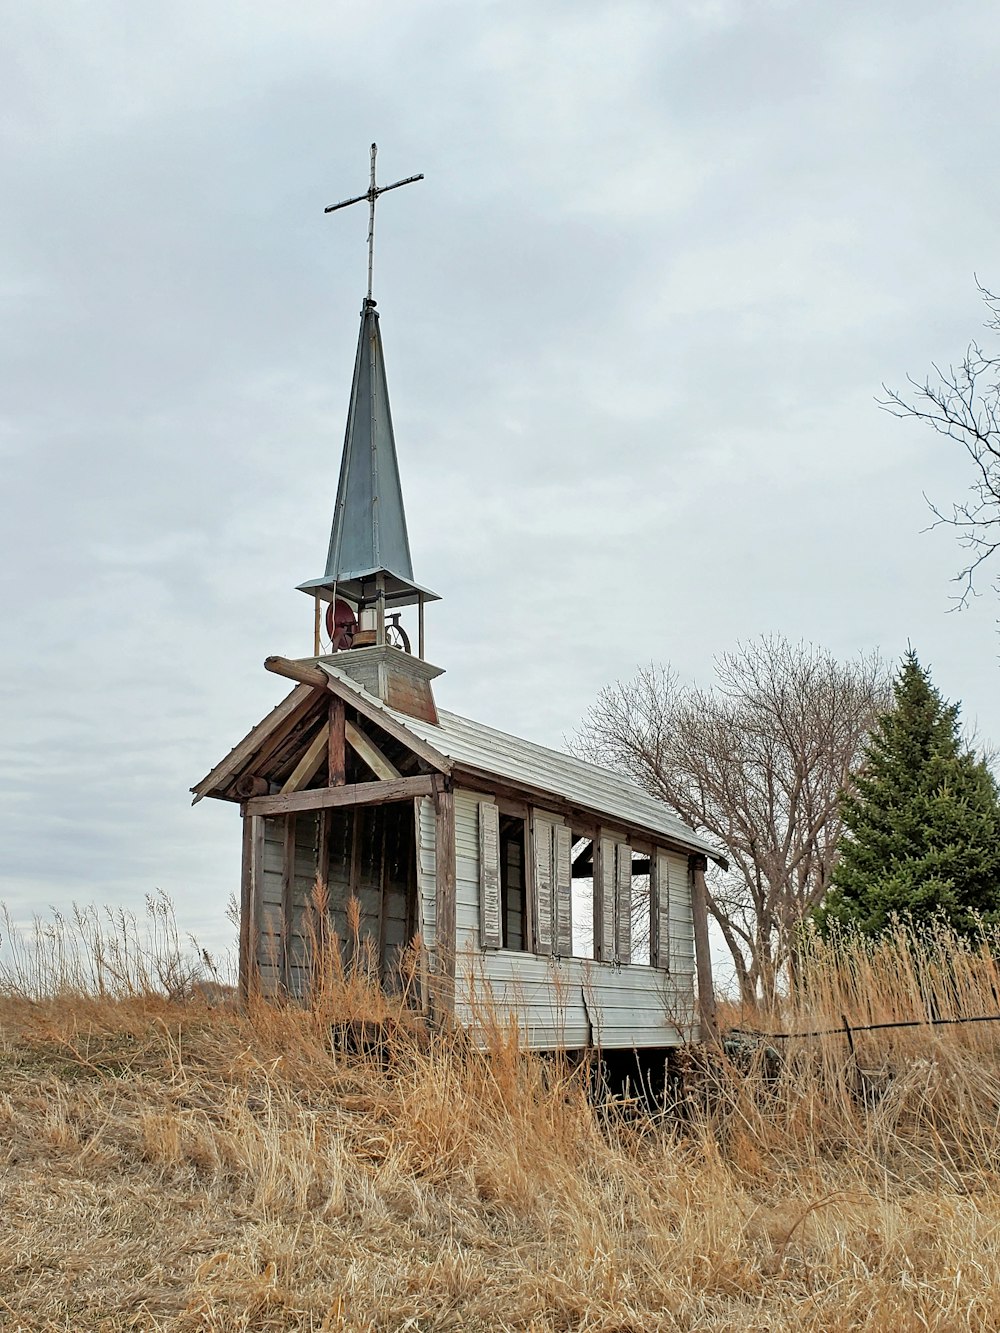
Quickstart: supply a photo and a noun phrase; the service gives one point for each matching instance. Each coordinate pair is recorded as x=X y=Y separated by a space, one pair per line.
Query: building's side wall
x=568 y=1002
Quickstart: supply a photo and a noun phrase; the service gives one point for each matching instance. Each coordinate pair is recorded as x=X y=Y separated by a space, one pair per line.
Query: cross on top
x=371 y=195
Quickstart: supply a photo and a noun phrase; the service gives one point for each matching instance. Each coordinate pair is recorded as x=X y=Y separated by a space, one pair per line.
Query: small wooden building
x=509 y=880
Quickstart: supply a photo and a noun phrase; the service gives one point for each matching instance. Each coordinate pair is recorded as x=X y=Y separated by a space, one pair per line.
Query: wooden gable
x=322 y=736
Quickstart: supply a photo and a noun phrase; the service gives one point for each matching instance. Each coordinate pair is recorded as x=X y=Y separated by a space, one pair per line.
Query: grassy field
x=166 y=1164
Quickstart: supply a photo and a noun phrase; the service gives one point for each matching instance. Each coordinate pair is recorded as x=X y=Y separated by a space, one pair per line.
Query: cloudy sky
x=634 y=319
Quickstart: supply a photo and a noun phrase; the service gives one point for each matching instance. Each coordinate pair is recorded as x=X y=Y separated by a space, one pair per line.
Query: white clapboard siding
x=541 y=851
x=563 y=887
x=623 y=904
x=490 y=925
x=570 y=1003
x=467 y=892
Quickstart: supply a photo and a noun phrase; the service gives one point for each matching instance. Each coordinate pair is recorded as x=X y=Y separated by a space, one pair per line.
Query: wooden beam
x=243 y=752
x=702 y=952
x=358 y=698
x=369 y=753
x=305 y=672
x=356 y=793
x=336 y=762
x=444 y=896
x=309 y=765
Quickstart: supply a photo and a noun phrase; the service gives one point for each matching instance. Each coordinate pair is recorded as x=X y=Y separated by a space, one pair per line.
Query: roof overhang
x=362 y=586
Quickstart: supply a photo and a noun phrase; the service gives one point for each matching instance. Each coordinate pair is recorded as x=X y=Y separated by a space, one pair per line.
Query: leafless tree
x=758 y=763
x=963 y=403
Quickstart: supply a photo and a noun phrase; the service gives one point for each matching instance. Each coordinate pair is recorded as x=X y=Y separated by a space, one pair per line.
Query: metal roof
x=369 y=523
x=524 y=763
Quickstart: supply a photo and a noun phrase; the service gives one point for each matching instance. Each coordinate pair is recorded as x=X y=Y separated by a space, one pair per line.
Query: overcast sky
x=634 y=318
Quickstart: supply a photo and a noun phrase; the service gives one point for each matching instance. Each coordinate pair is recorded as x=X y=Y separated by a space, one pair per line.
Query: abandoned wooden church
x=503 y=877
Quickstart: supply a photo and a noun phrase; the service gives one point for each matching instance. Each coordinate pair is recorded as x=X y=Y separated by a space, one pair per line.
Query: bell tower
x=368 y=578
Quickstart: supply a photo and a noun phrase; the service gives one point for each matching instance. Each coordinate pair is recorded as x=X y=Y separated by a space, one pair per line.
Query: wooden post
x=380 y=609
x=336 y=755
x=316 y=625
x=444 y=893
x=420 y=615
x=287 y=903
x=702 y=952
x=253 y=829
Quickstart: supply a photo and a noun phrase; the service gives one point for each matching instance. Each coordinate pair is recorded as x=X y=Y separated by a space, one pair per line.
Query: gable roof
x=477 y=748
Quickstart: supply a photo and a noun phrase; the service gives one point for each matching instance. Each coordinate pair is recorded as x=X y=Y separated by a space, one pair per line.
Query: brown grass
x=169 y=1165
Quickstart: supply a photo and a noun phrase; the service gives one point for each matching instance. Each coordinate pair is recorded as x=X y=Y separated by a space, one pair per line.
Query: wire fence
x=851 y=1028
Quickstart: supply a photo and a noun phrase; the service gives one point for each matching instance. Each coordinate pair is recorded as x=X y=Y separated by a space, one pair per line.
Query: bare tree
x=759 y=764
x=963 y=403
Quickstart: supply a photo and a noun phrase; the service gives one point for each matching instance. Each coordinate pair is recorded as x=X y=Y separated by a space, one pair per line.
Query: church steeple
x=369 y=537
x=368 y=565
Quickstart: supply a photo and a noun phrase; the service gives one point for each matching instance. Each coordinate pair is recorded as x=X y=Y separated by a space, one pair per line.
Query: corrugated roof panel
x=528 y=764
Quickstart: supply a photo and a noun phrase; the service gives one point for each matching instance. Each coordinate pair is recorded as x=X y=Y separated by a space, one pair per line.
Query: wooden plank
x=355 y=793
x=562 y=914
x=356 y=698
x=606 y=863
x=659 y=909
x=248 y=907
x=702 y=952
x=490 y=925
x=369 y=753
x=309 y=765
x=623 y=905
x=444 y=894
x=241 y=753
x=541 y=857
x=287 y=901
x=336 y=752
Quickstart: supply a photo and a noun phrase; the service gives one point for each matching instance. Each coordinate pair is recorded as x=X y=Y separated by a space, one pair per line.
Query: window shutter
x=563 y=916
x=541 y=842
x=490 y=926
x=623 y=924
x=660 y=907
x=607 y=940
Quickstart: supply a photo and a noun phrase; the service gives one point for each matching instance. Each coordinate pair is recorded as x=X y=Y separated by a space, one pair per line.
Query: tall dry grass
x=170 y=1165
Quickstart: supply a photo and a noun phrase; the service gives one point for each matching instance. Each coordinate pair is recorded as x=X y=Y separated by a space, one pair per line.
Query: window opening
x=582 y=896
x=513 y=896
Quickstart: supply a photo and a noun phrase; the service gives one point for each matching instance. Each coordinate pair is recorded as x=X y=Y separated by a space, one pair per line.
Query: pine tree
x=922 y=826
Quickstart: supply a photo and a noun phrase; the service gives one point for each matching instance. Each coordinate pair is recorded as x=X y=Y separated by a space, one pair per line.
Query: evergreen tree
x=922 y=826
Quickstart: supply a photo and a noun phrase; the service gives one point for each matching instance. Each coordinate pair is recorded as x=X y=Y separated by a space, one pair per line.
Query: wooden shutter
x=623 y=905
x=563 y=915
x=607 y=918
x=541 y=850
x=659 y=893
x=490 y=925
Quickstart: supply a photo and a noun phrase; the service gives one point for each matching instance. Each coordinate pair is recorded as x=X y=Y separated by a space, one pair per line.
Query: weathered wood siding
x=368 y=856
x=567 y=1002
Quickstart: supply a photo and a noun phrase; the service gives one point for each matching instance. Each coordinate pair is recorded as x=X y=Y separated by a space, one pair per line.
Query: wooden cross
x=371 y=195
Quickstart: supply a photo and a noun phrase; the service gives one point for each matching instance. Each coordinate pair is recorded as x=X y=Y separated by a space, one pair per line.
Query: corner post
x=702 y=953
x=250 y=878
x=444 y=895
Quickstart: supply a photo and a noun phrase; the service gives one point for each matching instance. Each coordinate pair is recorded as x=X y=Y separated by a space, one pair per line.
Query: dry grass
x=167 y=1165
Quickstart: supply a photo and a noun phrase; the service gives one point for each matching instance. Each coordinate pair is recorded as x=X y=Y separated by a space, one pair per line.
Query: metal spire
x=372 y=194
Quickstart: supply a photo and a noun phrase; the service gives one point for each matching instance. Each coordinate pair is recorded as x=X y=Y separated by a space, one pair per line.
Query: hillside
x=168 y=1165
